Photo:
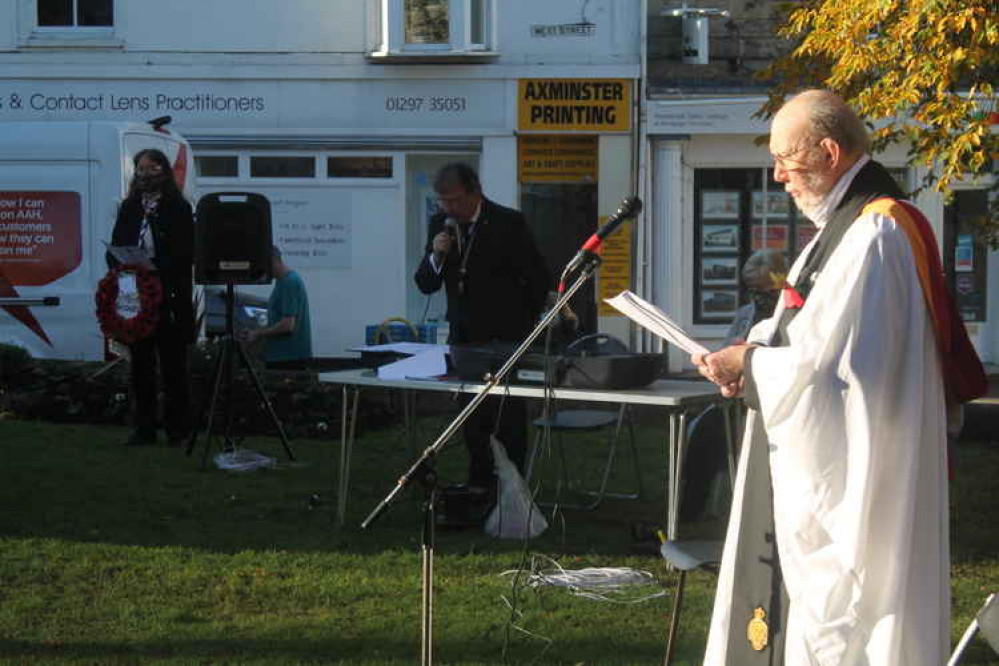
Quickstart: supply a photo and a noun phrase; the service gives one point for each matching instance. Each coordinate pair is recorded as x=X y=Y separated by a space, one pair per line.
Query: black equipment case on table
x=596 y=361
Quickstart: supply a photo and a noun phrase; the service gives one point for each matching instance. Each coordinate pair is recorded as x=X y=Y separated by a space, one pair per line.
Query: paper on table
x=429 y=363
x=130 y=254
x=400 y=347
x=652 y=318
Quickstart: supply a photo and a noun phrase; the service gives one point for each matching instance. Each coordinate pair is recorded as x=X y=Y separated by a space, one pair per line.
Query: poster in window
x=770 y=237
x=719 y=237
x=806 y=232
x=723 y=205
x=964 y=254
x=719 y=302
x=771 y=204
x=719 y=270
x=965 y=284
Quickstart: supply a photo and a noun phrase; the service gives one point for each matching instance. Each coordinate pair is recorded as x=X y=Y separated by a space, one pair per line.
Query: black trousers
x=511 y=430
x=163 y=353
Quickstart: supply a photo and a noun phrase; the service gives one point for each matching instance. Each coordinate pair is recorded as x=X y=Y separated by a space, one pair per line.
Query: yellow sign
x=615 y=271
x=557 y=158
x=574 y=105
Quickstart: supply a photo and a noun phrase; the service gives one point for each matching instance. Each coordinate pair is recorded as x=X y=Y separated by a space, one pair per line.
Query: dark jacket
x=505 y=283
x=173 y=233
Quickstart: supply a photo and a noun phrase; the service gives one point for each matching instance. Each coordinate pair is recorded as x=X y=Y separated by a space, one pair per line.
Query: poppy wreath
x=132 y=329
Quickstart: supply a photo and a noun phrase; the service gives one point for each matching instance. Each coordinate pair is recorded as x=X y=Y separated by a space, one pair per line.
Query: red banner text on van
x=39 y=236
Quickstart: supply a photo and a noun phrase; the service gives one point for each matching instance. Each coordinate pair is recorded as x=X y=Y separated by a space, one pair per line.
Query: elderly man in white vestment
x=837 y=546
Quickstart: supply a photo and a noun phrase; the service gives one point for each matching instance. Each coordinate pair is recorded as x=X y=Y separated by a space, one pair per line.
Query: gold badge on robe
x=757 y=631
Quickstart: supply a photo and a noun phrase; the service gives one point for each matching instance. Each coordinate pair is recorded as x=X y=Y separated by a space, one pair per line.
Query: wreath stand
x=224 y=370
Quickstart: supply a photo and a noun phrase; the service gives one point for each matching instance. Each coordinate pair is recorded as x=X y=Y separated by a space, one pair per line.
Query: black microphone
x=629 y=208
x=448 y=225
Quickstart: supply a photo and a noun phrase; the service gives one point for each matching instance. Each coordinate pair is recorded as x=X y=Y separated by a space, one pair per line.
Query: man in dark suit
x=496 y=282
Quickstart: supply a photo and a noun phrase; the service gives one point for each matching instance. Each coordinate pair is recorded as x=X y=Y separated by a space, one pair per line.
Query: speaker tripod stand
x=223 y=374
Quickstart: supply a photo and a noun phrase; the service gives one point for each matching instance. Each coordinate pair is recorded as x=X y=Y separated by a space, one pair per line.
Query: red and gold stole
x=963 y=373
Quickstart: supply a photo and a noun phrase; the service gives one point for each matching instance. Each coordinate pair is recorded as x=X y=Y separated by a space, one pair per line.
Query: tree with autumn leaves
x=922 y=72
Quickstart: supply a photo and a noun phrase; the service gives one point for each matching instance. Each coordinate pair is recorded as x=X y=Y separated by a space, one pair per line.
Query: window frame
x=389 y=20
x=216 y=153
x=746 y=220
x=322 y=177
x=277 y=154
x=34 y=35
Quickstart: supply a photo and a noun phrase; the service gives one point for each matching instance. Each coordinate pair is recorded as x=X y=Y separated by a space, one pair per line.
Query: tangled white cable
x=243 y=460
x=616 y=584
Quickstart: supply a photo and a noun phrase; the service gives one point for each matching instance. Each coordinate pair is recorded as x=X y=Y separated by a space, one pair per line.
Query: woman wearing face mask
x=156 y=218
x=763 y=275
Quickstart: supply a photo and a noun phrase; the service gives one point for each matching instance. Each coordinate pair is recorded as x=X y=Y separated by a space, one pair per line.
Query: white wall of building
x=293 y=77
x=254 y=26
x=527 y=31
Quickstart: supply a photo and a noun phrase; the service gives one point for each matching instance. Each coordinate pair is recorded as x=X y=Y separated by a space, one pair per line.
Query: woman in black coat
x=155 y=217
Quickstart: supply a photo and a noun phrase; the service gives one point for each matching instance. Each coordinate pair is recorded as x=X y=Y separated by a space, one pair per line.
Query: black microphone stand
x=423 y=470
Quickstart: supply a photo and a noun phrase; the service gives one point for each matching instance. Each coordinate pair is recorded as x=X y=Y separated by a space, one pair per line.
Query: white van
x=60 y=187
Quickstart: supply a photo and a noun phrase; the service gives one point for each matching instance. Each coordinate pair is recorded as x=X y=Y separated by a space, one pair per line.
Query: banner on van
x=39 y=236
x=39 y=243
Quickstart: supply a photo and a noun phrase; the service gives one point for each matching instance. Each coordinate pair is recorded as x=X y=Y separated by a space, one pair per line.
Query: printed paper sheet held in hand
x=653 y=319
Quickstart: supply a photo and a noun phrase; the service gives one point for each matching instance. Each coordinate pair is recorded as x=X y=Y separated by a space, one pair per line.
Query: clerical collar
x=821 y=214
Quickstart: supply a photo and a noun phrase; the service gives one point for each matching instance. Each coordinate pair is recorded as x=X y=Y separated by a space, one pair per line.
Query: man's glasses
x=787 y=157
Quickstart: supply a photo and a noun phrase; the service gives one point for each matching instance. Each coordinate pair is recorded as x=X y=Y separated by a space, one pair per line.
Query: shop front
x=715 y=203
x=575 y=151
x=345 y=164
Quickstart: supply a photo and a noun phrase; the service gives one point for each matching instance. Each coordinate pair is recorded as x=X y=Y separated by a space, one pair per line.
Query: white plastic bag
x=243 y=460
x=515 y=514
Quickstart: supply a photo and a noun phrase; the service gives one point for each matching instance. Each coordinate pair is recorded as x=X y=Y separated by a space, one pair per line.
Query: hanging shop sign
x=615 y=271
x=557 y=158
x=574 y=105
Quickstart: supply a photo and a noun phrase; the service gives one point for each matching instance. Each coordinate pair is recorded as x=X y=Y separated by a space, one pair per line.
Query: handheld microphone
x=629 y=208
x=451 y=227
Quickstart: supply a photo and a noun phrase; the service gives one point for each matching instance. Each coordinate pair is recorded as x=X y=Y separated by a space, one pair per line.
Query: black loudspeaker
x=233 y=239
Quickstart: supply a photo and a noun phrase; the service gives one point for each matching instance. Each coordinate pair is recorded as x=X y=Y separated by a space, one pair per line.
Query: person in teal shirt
x=288 y=334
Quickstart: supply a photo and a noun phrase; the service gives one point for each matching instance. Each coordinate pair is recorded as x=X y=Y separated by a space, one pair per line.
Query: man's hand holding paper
x=724 y=367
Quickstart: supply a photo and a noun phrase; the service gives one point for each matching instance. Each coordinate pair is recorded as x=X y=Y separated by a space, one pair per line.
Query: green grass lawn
x=114 y=555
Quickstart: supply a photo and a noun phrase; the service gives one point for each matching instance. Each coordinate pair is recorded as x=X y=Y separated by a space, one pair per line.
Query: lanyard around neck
x=464 y=251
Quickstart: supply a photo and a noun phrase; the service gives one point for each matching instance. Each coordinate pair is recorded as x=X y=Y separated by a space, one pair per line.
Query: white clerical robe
x=854 y=412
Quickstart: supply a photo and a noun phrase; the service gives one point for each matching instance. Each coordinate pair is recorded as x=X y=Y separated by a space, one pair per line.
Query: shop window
x=965 y=255
x=217 y=166
x=359 y=167
x=75 y=13
x=558 y=195
x=737 y=212
x=276 y=166
x=562 y=216
x=73 y=23
x=413 y=29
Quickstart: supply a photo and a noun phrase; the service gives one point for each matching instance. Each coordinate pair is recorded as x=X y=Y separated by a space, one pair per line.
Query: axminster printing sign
x=577 y=105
